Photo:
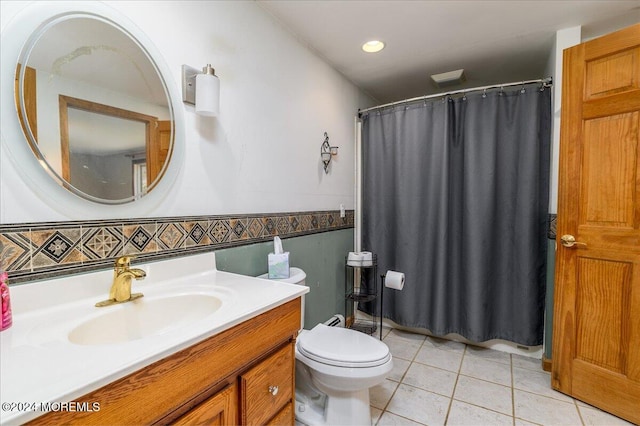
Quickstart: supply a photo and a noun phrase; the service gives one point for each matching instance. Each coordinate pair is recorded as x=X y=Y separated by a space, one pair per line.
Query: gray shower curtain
x=455 y=195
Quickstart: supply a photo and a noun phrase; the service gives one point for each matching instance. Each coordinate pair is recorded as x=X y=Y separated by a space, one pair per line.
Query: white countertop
x=39 y=365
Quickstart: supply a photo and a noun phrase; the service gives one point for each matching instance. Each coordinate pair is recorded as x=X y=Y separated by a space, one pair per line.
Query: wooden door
x=30 y=101
x=596 y=333
x=158 y=150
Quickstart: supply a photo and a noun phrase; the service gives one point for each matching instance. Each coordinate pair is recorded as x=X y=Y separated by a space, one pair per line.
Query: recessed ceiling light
x=373 y=46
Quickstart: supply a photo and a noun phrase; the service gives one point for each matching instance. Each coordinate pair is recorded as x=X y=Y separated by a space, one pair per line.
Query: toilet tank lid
x=296 y=276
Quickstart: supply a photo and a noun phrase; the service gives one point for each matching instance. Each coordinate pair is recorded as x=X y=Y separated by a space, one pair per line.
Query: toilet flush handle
x=273 y=390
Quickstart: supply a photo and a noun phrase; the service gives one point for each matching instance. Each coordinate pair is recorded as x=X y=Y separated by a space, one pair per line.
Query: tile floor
x=441 y=382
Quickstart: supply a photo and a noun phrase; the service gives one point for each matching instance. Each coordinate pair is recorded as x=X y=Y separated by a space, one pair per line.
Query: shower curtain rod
x=545 y=81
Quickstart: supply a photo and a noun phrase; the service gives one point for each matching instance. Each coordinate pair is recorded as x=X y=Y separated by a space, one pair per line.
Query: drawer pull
x=273 y=390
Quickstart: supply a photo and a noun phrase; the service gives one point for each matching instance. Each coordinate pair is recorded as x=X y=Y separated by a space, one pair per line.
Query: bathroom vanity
x=231 y=365
x=241 y=376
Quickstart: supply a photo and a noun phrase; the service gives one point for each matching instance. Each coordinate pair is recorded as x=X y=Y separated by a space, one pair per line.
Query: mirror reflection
x=94 y=109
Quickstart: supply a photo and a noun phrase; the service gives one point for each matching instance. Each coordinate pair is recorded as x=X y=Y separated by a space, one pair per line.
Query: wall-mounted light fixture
x=326 y=152
x=201 y=89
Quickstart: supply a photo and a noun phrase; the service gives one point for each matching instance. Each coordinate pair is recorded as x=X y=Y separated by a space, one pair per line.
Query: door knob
x=570 y=241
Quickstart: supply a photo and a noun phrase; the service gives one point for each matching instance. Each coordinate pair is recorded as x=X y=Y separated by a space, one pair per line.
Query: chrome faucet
x=120 y=291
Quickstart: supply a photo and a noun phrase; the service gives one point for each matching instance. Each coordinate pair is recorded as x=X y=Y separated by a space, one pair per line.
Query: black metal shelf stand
x=365 y=292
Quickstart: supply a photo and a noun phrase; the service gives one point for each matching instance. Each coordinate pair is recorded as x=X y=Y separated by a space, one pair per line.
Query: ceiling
x=95 y=52
x=494 y=41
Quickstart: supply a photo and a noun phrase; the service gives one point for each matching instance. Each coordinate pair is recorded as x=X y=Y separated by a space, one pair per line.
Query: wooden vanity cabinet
x=220 y=409
x=244 y=375
x=272 y=375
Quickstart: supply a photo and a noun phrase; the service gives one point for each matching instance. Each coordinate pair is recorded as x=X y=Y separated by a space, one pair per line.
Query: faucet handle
x=124 y=261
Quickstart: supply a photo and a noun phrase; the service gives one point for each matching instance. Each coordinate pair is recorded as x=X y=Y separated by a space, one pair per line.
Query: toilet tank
x=296 y=276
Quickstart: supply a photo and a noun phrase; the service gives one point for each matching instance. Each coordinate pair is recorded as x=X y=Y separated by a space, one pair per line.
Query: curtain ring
x=484 y=93
x=523 y=90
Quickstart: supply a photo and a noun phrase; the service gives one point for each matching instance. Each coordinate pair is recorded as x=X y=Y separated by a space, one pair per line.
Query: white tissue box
x=278 y=265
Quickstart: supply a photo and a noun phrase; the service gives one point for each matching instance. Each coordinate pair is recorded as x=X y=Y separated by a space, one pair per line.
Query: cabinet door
x=219 y=410
x=284 y=417
x=268 y=387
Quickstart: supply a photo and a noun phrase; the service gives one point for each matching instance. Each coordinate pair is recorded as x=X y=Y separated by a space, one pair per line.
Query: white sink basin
x=144 y=317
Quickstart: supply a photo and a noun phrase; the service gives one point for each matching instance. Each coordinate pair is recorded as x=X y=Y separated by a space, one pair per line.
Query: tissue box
x=278 y=265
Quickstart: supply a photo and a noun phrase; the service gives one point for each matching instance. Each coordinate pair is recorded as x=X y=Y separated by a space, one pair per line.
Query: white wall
x=262 y=153
x=565 y=38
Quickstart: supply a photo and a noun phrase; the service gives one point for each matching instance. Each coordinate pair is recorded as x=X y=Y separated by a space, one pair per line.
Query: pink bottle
x=6 y=302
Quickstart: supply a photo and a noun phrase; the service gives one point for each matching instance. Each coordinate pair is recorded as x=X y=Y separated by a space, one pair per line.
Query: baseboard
x=546 y=363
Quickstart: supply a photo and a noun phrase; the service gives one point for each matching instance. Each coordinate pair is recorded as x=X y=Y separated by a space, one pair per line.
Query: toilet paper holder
x=382 y=280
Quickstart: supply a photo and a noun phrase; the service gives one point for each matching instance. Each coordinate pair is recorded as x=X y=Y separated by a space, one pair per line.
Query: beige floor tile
x=594 y=417
x=463 y=414
x=380 y=395
x=445 y=359
x=375 y=415
x=400 y=367
x=385 y=331
x=520 y=422
x=521 y=361
x=402 y=348
x=419 y=405
x=490 y=354
x=536 y=382
x=390 y=419
x=431 y=379
x=485 y=369
x=449 y=345
x=582 y=404
x=484 y=394
x=406 y=335
x=545 y=411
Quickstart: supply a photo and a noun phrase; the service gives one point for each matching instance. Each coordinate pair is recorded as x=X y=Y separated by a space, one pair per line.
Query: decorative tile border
x=44 y=250
x=553 y=223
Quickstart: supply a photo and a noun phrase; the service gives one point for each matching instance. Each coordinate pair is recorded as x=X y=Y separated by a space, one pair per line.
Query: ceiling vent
x=450 y=78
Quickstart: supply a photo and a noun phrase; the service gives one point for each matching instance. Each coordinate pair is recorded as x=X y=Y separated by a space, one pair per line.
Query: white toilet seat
x=342 y=347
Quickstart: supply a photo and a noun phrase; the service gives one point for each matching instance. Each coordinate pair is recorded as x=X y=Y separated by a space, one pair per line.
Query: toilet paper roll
x=394 y=280
x=367 y=258
x=354 y=258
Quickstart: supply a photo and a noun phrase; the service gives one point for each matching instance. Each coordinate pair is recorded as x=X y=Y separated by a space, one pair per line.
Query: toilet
x=335 y=367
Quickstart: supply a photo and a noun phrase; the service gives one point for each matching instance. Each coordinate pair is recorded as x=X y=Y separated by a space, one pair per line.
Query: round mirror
x=94 y=108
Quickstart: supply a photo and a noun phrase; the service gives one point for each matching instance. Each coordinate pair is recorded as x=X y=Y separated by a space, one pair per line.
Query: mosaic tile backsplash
x=44 y=250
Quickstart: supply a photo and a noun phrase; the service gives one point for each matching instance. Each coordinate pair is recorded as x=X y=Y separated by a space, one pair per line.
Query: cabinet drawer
x=267 y=387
